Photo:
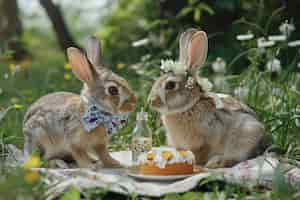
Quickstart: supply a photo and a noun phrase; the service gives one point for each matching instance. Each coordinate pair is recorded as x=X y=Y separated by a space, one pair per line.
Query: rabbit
x=220 y=130
x=55 y=124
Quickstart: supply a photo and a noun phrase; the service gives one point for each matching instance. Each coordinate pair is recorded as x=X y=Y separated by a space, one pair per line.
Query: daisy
x=220 y=83
x=205 y=84
x=274 y=65
x=6 y=76
x=244 y=37
x=141 y=42
x=219 y=66
x=277 y=38
x=294 y=43
x=172 y=66
x=262 y=43
x=287 y=28
x=276 y=91
x=241 y=92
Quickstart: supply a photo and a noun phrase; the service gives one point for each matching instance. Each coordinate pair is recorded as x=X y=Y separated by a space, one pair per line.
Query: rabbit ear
x=93 y=50
x=184 y=41
x=197 y=49
x=193 y=48
x=80 y=65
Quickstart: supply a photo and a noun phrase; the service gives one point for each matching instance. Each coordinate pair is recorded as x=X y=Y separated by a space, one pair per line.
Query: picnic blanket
x=259 y=171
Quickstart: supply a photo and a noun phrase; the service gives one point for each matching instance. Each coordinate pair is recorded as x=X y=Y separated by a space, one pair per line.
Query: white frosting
x=161 y=162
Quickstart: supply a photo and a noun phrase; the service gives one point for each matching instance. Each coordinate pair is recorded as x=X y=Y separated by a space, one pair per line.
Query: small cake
x=166 y=161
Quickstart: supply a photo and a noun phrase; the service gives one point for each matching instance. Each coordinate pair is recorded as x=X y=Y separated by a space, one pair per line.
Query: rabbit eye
x=170 y=85
x=113 y=90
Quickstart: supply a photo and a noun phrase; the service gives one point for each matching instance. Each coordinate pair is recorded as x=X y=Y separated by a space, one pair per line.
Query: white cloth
x=258 y=171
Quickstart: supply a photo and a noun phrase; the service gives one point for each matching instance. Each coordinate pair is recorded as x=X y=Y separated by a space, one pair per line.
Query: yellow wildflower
x=26 y=63
x=120 y=66
x=33 y=161
x=18 y=106
x=31 y=177
x=67 y=76
x=12 y=67
x=30 y=99
x=67 y=66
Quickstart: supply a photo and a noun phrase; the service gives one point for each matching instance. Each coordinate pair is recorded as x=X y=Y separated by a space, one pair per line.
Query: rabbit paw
x=215 y=162
x=220 y=161
x=112 y=164
x=58 y=163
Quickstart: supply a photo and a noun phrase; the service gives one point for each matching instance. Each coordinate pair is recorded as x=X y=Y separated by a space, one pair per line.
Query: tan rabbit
x=66 y=125
x=220 y=130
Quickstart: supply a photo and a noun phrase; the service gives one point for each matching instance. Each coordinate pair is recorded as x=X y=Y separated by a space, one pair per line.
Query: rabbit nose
x=155 y=101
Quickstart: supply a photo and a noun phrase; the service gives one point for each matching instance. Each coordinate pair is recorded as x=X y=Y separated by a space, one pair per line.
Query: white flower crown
x=172 y=66
x=179 y=68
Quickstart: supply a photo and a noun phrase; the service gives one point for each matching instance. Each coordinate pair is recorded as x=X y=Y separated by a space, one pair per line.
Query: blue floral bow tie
x=95 y=116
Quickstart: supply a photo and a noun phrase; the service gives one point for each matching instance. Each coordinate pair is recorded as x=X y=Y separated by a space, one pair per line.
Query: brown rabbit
x=66 y=125
x=220 y=130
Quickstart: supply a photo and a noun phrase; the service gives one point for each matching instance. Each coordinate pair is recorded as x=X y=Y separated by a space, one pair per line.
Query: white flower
x=298 y=77
x=220 y=83
x=287 y=28
x=245 y=37
x=277 y=38
x=190 y=83
x=241 y=92
x=262 y=42
x=219 y=66
x=274 y=101
x=141 y=42
x=204 y=83
x=274 y=65
x=17 y=69
x=276 y=91
x=6 y=76
x=294 y=43
x=297 y=122
x=56 y=2
x=298 y=109
x=172 y=66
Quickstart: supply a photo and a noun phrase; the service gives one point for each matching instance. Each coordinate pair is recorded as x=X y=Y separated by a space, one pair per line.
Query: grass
x=275 y=98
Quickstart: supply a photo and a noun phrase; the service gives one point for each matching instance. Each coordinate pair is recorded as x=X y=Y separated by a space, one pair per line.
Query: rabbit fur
x=220 y=130
x=53 y=124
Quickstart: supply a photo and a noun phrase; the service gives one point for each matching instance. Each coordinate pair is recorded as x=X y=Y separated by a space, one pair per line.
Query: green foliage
x=14 y=186
x=72 y=194
x=128 y=24
x=196 y=9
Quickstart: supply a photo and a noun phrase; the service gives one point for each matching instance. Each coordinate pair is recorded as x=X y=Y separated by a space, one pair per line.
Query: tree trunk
x=64 y=37
x=11 y=29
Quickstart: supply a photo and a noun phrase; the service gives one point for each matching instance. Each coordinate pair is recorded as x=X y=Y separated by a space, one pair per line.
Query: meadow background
x=253 y=55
